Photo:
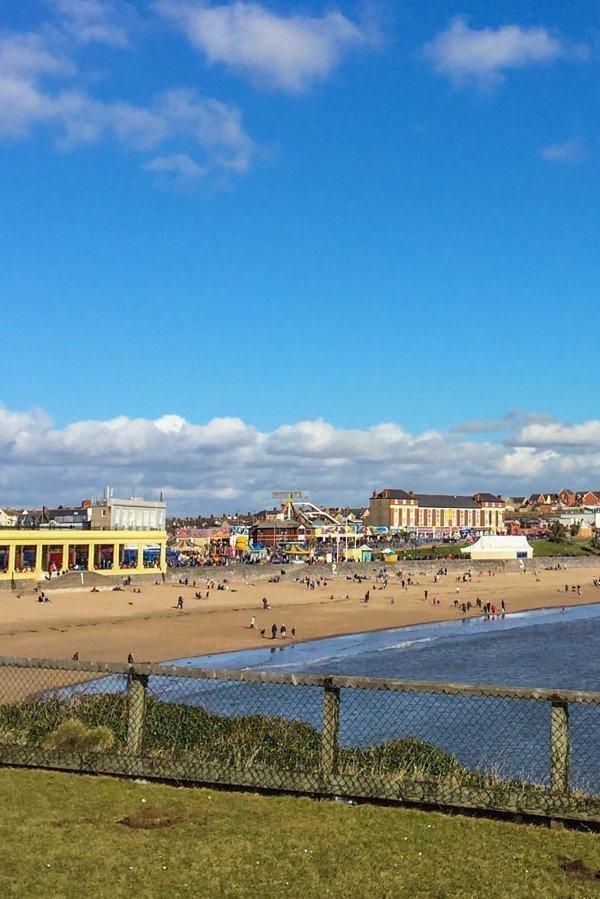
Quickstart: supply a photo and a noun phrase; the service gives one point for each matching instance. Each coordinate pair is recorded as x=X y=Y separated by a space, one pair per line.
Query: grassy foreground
x=73 y=836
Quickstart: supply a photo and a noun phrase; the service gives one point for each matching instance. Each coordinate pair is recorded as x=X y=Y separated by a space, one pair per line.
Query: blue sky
x=299 y=215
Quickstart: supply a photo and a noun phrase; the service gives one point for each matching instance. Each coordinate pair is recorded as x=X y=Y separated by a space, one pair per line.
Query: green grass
x=542 y=547
x=61 y=836
x=441 y=551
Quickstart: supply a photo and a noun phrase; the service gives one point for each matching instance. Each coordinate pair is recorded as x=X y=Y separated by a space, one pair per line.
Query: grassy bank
x=73 y=836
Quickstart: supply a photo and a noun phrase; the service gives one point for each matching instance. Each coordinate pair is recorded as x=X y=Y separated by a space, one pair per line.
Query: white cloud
x=227 y=463
x=178 y=164
x=289 y=52
x=571 y=151
x=463 y=53
x=94 y=21
x=586 y=434
x=39 y=87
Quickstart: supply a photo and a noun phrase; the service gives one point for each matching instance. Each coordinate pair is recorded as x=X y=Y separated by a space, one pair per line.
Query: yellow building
x=33 y=554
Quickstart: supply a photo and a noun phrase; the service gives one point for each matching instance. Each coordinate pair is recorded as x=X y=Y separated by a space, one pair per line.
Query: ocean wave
x=406 y=643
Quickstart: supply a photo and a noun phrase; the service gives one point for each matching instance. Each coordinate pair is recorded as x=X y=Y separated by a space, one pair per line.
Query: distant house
x=543 y=500
x=515 y=502
x=77 y=517
x=8 y=518
x=589 y=498
x=566 y=497
x=31 y=519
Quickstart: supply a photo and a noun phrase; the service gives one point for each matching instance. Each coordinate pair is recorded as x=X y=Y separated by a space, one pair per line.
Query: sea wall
x=260 y=573
x=255 y=573
x=73 y=580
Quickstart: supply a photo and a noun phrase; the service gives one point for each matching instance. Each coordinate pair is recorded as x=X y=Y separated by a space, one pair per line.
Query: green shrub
x=73 y=736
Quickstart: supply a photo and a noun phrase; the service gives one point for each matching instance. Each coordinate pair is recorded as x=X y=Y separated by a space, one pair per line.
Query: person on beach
x=283 y=632
x=367 y=596
x=252 y=624
x=274 y=632
x=180 y=602
x=293 y=633
x=130 y=659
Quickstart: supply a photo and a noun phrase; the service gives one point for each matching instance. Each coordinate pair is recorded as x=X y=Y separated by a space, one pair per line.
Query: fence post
x=138 y=684
x=331 y=729
x=560 y=750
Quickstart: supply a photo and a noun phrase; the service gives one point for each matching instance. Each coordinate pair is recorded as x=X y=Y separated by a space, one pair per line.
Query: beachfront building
x=436 y=515
x=495 y=547
x=276 y=531
x=34 y=554
x=114 y=514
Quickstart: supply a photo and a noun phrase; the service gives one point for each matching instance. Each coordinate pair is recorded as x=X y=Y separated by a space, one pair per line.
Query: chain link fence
x=534 y=752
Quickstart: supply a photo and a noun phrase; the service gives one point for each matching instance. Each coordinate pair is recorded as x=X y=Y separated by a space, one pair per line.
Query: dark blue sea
x=546 y=648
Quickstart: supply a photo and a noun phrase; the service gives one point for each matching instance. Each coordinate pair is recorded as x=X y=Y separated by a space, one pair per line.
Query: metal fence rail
x=529 y=751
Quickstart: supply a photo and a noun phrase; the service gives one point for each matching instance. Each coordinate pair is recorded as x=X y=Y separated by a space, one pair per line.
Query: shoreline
x=108 y=625
x=380 y=630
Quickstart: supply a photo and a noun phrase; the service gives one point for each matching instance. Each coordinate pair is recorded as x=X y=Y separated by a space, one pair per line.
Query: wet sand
x=106 y=626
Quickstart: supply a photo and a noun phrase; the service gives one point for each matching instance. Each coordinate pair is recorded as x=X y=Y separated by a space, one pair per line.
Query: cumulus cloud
x=226 y=463
x=94 y=21
x=289 y=52
x=178 y=164
x=570 y=151
x=586 y=434
x=467 y=54
x=39 y=87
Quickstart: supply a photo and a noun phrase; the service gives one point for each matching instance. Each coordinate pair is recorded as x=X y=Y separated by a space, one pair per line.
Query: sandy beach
x=107 y=625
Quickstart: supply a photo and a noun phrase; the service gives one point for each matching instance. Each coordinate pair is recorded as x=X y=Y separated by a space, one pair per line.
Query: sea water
x=552 y=648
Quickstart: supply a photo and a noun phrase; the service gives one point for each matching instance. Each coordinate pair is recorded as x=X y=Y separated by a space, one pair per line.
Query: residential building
x=588 y=498
x=68 y=517
x=114 y=514
x=436 y=514
x=9 y=518
x=567 y=497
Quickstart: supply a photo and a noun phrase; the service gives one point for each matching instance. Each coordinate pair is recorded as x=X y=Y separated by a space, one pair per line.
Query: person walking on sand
x=274 y=632
x=283 y=632
x=180 y=602
x=252 y=623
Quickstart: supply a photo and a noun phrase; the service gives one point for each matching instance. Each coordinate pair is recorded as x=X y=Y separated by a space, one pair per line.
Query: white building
x=8 y=518
x=114 y=514
x=493 y=547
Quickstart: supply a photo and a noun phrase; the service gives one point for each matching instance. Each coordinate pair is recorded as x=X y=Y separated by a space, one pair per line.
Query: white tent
x=495 y=547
